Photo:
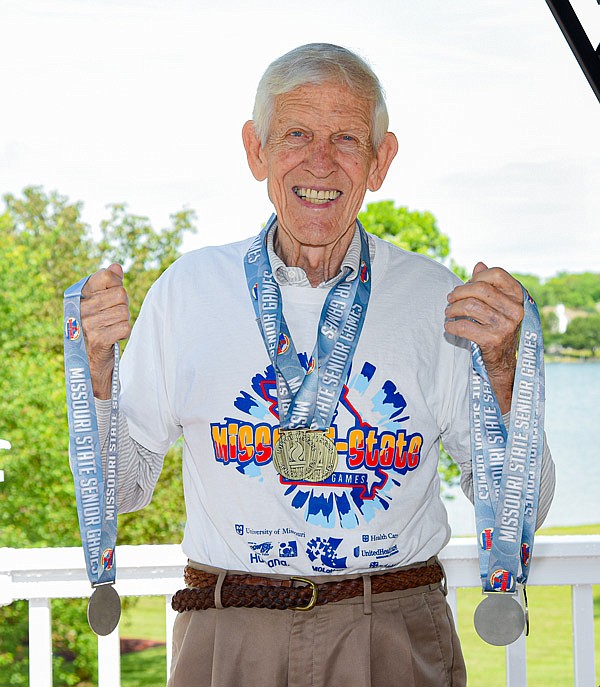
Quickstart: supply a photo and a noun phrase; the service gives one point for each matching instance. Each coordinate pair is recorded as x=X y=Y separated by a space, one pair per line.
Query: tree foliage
x=44 y=247
x=573 y=290
x=583 y=333
x=412 y=230
x=580 y=291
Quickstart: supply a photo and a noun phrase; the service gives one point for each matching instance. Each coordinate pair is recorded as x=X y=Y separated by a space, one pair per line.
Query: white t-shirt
x=197 y=365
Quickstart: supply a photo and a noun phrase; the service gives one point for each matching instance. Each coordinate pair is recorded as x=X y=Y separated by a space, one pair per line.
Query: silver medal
x=499 y=619
x=104 y=610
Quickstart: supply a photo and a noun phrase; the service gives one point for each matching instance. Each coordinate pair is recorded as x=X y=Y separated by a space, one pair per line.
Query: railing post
x=5 y=445
x=583 y=635
x=516 y=663
x=109 y=660
x=40 y=643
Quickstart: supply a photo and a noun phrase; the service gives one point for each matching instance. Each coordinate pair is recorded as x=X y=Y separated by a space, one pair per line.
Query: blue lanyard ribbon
x=507 y=464
x=96 y=492
x=308 y=398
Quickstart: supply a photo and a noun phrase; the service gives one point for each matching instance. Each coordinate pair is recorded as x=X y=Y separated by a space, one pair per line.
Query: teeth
x=316 y=197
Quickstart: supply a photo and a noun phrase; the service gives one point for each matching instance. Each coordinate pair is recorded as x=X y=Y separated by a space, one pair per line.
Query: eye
x=347 y=139
x=296 y=133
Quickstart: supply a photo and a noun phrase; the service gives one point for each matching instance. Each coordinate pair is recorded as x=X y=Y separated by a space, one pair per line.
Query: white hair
x=317 y=63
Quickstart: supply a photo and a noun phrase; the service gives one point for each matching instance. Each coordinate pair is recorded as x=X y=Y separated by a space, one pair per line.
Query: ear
x=383 y=159
x=254 y=151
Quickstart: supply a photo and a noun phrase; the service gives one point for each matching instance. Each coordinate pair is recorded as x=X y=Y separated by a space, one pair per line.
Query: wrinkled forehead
x=336 y=105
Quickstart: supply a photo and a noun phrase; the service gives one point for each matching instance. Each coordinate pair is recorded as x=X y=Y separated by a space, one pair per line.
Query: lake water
x=572 y=428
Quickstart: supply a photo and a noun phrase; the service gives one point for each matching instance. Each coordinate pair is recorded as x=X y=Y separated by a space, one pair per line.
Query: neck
x=320 y=263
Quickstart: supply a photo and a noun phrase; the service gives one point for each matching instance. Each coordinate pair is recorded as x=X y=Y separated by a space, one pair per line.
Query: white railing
x=39 y=575
x=3 y=445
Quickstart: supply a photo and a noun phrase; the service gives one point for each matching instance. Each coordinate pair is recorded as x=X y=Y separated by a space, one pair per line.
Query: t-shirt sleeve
x=148 y=363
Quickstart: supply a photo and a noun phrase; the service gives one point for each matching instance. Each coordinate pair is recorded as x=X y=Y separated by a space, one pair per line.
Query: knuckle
x=122 y=312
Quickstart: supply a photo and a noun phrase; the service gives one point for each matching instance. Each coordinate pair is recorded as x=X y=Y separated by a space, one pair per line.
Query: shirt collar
x=296 y=276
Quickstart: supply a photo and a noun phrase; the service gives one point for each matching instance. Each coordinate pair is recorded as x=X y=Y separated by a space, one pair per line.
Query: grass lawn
x=144 y=618
x=549 y=645
x=146 y=668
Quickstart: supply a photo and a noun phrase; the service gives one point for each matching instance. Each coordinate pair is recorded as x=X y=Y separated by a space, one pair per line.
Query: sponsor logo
x=376 y=553
x=502 y=581
x=271 y=563
x=364 y=272
x=239 y=529
x=284 y=343
x=525 y=553
x=485 y=538
x=107 y=559
x=264 y=548
x=288 y=549
x=379 y=537
x=324 y=551
x=255 y=292
x=72 y=329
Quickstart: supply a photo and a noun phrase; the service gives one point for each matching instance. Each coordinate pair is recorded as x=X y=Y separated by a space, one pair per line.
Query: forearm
x=502 y=379
x=138 y=469
x=101 y=380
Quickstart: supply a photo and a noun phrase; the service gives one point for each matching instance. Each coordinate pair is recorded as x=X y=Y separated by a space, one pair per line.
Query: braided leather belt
x=249 y=591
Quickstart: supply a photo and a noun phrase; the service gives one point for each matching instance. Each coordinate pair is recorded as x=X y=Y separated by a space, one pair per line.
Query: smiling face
x=319 y=161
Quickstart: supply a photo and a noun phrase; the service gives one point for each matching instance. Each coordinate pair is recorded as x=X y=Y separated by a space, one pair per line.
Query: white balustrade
x=3 y=445
x=39 y=575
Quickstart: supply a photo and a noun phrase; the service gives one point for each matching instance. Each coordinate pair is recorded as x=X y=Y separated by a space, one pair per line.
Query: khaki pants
x=404 y=638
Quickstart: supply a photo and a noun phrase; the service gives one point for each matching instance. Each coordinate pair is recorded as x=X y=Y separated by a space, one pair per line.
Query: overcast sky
x=142 y=102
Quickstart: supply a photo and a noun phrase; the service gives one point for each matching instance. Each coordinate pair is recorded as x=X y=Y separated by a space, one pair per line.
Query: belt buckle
x=313 y=598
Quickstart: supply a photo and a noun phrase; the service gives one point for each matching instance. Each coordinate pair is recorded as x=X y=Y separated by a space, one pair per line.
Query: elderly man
x=312 y=372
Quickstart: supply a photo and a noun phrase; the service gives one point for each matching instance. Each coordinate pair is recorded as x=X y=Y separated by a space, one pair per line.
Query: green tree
x=574 y=290
x=44 y=247
x=583 y=333
x=409 y=229
x=550 y=328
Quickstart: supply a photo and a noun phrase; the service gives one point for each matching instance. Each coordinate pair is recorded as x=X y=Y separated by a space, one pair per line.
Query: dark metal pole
x=588 y=58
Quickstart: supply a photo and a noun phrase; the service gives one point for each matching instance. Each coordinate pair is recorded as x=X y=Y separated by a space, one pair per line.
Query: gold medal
x=305 y=455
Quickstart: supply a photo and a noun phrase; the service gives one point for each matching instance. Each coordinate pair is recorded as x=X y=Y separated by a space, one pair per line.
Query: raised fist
x=105 y=320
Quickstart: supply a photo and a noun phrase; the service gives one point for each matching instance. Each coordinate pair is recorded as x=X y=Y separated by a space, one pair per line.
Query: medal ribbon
x=95 y=492
x=507 y=465
x=308 y=399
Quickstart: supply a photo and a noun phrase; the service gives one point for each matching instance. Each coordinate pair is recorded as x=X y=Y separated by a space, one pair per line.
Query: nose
x=321 y=157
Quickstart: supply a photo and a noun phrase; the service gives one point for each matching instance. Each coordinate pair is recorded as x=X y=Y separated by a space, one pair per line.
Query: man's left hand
x=488 y=310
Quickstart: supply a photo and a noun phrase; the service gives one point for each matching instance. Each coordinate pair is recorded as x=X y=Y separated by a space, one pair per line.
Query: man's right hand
x=105 y=319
